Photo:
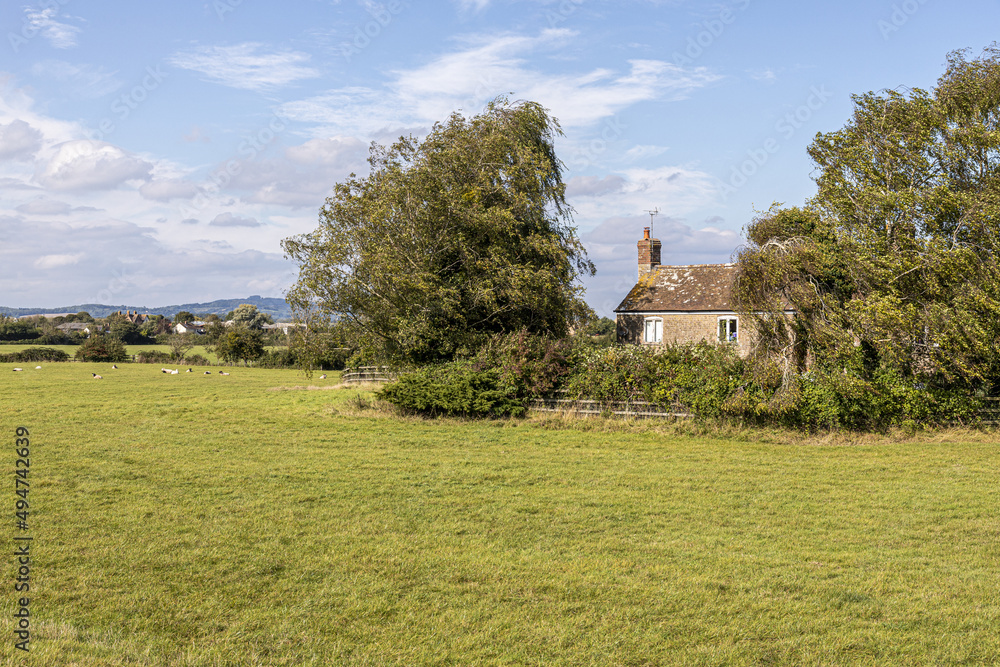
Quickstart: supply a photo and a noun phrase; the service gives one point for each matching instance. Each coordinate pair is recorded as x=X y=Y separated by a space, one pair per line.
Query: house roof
x=691 y=288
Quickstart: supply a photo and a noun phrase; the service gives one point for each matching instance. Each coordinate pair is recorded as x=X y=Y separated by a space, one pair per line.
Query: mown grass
x=217 y=520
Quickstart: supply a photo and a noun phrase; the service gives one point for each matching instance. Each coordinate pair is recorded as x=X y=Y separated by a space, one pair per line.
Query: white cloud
x=83 y=81
x=167 y=189
x=83 y=164
x=489 y=66
x=245 y=66
x=230 y=220
x=54 y=261
x=60 y=35
x=19 y=140
x=42 y=206
x=637 y=153
x=119 y=262
x=682 y=190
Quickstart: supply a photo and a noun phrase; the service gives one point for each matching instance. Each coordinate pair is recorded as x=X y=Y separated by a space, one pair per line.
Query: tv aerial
x=652 y=213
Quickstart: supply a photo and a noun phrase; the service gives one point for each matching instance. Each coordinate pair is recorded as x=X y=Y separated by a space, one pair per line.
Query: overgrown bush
x=455 y=388
x=699 y=376
x=280 y=358
x=35 y=354
x=528 y=366
x=154 y=357
x=101 y=348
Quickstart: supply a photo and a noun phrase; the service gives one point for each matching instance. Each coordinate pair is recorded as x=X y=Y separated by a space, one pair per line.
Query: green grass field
x=233 y=520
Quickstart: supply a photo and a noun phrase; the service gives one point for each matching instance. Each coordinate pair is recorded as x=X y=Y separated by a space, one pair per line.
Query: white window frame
x=732 y=329
x=657 y=330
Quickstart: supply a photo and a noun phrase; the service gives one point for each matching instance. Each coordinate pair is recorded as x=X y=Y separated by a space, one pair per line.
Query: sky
x=158 y=153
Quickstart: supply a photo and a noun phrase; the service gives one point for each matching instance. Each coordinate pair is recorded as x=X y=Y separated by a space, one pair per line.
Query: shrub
x=280 y=358
x=529 y=366
x=35 y=354
x=455 y=388
x=154 y=357
x=101 y=348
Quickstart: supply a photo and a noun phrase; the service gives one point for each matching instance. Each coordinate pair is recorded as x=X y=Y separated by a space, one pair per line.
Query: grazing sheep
x=221 y=373
x=114 y=366
x=208 y=372
x=37 y=368
x=18 y=369
x=96 y=376
x=323 y=376
x=189 y=371
x=174 y=372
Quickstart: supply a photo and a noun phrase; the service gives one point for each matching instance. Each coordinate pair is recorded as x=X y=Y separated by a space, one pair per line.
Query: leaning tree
x=447 y=241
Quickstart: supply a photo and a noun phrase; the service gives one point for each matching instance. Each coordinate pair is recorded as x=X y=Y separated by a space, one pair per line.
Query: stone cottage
x=679 y=303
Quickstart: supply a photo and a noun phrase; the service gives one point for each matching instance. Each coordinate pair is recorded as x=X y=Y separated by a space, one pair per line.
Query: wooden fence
x=379 y=374
x=617 y=408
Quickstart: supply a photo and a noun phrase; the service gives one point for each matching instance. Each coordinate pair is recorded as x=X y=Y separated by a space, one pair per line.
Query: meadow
x=263 y=518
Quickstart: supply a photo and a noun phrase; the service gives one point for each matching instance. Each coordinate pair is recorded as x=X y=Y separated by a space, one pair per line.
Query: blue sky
x=155 y=153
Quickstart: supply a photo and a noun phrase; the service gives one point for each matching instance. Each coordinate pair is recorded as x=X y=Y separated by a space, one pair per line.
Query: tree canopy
x=894 y=263
x=447 y=241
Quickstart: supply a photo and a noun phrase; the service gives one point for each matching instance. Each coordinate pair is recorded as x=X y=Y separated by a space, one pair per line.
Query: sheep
x=208 y=372
x=18 y=369
x=221 y=373
x=174 y=372
x=38 y=368
x=189 y=371
x=323 y=376
x=96 y=376
x=114 y=366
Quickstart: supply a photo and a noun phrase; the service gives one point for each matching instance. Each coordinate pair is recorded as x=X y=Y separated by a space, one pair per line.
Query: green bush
x=35 y=354
x=101 y=348
x=154 y=357
x=455 y=388
x=529 y=366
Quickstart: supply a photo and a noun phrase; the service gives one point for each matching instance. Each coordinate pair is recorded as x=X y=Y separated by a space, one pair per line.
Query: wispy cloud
x=247 y=66
x=84 y=81
x=43 y=21
x=488 y=66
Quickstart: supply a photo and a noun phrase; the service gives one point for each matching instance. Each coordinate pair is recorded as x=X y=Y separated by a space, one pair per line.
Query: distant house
x=680 y=304
x=134 y=317
x=283 y=327
x=190 y=327
x=74 y=327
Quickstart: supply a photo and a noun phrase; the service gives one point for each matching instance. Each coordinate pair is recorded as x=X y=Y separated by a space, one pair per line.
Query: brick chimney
x=649 y=254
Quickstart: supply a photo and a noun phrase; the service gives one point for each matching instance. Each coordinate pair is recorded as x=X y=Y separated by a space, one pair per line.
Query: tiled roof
x=696 y=287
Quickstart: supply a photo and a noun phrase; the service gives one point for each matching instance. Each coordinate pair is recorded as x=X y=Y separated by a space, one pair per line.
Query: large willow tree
x=447 y=241
x=895 y=263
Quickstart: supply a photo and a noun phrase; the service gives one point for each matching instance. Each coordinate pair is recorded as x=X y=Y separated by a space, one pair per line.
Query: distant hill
x=276 y=308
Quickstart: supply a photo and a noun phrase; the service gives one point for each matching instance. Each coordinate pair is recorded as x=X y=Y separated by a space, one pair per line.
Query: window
x=654 y=330
x=728 y=331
